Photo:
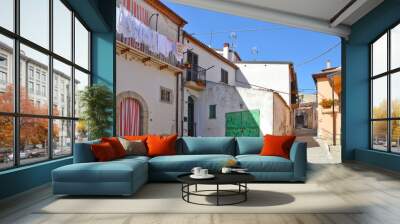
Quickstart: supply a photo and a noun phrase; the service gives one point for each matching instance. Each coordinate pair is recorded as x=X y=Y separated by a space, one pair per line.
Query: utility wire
x=318 y=56
x=236 y=31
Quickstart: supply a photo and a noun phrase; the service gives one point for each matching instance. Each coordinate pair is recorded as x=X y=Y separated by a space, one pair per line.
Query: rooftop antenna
x=233 y=37
x=254 y=52
x=211 y=39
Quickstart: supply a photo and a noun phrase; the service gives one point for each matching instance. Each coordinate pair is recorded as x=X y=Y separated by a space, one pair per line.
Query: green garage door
x=243 y=123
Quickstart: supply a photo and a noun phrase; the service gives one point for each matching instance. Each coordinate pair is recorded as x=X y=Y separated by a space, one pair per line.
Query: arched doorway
x=132 y=114
x=191 y=118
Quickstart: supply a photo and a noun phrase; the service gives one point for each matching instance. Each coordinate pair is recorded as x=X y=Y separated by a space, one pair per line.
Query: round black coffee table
x=238 y=179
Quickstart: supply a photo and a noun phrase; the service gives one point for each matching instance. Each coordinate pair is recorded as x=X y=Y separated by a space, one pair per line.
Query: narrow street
x=318 y=152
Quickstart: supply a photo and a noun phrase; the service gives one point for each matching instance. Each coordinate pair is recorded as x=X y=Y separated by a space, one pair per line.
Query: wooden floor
x=378 y=189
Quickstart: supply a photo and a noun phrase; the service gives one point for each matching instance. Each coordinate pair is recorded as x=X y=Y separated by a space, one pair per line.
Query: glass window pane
x=62 y=138
x=6 y=142
x=7 y=14
x=395 y=136
x=379 y=97
x=395 y=47
x=395 y=94
x=6 y=74
x=81 y=82
x=81 y=45
x=379 y=135
x=33 y=139
x=34 y=96
x=379 y=56
x=81 y=131
x=35 y=21
x=62 y=89
x=62 y=29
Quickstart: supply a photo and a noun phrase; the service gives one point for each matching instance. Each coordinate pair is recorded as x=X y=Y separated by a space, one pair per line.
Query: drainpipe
x=330 y=77
x=177 y=104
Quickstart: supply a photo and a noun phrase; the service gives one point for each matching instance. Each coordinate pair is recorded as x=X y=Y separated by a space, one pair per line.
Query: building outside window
x=212 y=112
x=3 y=78
x=30 y=73
x=55 y=135
x=224 y=76
x=165 y=95
x=3 y=71
x=43 y=90
x=385 y=95
x=30 y=87
x=38 y=89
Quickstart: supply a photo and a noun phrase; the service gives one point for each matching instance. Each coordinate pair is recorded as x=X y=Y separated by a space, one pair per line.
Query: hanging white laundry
x=154 y=41
x=162 y=45
x=146 y=35
x=123 y=21
x=126 y=23
x=180 y=48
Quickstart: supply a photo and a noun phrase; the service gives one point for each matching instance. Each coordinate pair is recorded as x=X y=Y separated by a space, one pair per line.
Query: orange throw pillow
x=277 y=145
x=161 y=145
x=116 y=145
x=103 y=152
x=136 y=138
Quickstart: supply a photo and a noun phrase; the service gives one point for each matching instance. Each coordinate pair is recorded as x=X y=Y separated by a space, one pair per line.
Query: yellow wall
x=325 y=116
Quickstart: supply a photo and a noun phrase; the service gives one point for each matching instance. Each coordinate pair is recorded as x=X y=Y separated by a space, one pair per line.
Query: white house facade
x=148 y=73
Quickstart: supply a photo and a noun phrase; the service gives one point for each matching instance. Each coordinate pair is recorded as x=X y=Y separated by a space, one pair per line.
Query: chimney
x=225 y=51
x=328 y=64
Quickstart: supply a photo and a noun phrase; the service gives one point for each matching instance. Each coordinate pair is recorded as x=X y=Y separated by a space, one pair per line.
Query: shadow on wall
x=242 y=111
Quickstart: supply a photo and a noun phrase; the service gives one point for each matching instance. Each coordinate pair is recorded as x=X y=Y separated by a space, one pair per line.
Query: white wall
x=146 y=81
x=164 y=26
x=229 y=99
x=271 y=76
x=206 y=60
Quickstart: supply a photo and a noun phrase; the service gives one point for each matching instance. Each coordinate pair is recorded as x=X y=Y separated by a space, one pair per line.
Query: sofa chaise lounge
x=125 y=176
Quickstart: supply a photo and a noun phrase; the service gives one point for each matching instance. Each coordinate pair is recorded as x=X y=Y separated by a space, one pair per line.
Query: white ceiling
x=317 y=15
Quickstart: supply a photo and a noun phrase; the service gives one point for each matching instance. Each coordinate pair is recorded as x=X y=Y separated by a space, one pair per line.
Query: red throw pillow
x=116 y=145
x=161 y=145
x=103 y=152
x=277 y=145
x=136 y=138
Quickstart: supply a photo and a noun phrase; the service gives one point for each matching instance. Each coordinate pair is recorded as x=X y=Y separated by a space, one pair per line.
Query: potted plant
x=96 y=102
x=326 y=103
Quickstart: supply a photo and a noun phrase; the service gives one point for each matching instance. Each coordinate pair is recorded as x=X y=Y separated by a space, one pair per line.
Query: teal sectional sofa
x=125 y=176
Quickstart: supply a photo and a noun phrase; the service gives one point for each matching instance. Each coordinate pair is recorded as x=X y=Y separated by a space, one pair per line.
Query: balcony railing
x=134 y=33
x=196 y=77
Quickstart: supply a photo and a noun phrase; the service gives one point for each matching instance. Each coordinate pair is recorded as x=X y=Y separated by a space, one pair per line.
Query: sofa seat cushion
x=185 y=163
x=112 y=171
x=257 y=163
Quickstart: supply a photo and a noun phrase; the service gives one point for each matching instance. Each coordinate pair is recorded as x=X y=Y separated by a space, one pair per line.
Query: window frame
x=224 y=76
x=212 y=108
x=388 y=74
x=16 y=114
x=169 y=91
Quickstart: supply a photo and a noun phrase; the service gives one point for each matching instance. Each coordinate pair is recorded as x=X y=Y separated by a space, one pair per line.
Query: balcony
x=136 y=40
x=196 y=78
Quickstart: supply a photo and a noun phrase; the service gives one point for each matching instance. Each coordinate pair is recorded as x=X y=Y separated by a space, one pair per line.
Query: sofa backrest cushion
x=249 y=145
x=83 y=153
x=206 y=145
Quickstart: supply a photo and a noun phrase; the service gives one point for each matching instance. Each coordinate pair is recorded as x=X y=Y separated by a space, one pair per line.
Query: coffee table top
x=220 y=178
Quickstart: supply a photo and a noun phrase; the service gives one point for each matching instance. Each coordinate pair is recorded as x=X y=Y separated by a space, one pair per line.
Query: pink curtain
x=129 y=117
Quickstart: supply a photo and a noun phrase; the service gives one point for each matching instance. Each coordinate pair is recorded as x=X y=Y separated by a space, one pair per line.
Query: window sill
x=30 y=166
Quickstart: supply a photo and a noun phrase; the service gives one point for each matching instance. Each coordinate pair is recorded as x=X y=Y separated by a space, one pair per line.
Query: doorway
x=191 y=118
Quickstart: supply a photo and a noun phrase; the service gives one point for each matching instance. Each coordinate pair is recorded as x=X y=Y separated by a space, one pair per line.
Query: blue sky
x=275 y=42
